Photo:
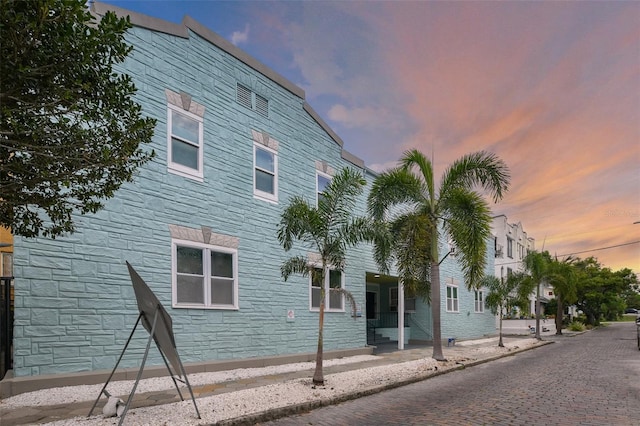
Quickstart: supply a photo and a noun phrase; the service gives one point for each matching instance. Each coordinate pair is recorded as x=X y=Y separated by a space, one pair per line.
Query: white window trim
x=207 y=273
x=326 y=292
x=475 y=301
x=455 y=301
x=325 y=175
x=256 y=192
x=179 y=169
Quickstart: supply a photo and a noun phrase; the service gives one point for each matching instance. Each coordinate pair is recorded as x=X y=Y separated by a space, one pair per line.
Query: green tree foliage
x=416 y=213
x=329 y=230
x=503 y=295
x=600 y=291
x=70 y=132
x=632 y=294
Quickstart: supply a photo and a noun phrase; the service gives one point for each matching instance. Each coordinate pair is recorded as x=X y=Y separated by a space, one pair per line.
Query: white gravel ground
x=249 y=401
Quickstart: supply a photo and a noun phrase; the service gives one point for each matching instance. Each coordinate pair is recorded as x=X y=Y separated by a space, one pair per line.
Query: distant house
x=512 y=244
x=234 y=141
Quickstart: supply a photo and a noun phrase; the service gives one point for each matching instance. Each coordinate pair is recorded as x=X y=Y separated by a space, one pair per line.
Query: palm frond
x=295 y=265
x=392 y=188
x=468 y=223
x=299 y=221
x=339 y=198
x=349 y=296
x=482 y=169
x=413 y=236
x=415 y=159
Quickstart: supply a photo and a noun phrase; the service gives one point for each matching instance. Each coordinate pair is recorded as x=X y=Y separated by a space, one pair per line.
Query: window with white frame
x=322 y=182
x=479 y=301
x=452 y=298
x=265 y=176
x=204 y=276
x=185 y=142
x=409 y=302
x=334 y=301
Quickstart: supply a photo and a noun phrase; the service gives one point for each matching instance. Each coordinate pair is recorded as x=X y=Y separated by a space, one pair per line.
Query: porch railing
x=384 y=320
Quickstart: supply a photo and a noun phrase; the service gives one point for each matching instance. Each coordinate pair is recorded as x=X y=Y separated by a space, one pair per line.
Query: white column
x=400 y=315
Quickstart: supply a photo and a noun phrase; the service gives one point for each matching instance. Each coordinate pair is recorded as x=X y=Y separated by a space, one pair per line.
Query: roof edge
x=182 y=30
x=141 y=20
x=323 y=124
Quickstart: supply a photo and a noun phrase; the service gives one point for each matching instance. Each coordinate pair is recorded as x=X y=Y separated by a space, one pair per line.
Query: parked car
x=631 y=311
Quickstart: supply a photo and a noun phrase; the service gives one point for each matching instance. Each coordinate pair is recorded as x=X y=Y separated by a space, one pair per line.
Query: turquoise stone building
x=234 y=141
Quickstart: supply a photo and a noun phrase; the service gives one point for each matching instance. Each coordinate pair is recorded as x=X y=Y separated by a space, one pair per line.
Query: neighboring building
x=234 y=141
x=6 y=253
x=511 y=245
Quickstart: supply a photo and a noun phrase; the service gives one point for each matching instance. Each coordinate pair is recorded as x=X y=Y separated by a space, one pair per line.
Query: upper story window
x=251 y=100
x=324 y=175
x=184 y=135
x=452 y=298
x=334 y=301
x=509 y=248
x=265 y=167
x=204 y=269
x=479 y=301
x=322 y=181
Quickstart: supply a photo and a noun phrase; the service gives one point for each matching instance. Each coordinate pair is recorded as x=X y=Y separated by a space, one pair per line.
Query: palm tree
x=563 y=278
x=537 y=266
x=503 y=294
x=417 y=215
x=329 y=229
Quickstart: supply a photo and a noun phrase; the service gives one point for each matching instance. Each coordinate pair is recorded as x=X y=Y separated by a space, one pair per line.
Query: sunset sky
x=553 y=88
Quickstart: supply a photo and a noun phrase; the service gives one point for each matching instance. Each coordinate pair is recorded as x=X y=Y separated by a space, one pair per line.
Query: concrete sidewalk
x=475 y=351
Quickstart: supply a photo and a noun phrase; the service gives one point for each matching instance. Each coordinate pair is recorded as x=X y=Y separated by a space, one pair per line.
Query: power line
x=601 y=248
x=578 y=252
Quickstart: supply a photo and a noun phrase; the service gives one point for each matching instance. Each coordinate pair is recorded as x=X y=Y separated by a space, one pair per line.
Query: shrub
x=576 y=326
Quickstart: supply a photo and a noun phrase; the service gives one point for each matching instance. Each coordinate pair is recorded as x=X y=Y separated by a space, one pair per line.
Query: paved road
x=589 y=379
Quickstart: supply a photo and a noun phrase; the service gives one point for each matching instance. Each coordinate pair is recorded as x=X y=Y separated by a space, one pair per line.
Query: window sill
x=192 y=176
x=216 y=307
x=270 y=200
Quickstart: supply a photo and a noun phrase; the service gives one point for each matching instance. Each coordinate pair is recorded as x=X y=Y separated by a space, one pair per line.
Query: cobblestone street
x=589 y=379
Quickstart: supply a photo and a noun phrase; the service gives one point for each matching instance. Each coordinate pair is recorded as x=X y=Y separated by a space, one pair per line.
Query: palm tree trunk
x=318 y=376
x=500 y=333
x=435 y=311
x=538 y=312
x=559 y=315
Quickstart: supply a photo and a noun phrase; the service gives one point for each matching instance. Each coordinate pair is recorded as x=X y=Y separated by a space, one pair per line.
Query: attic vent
x=244 y=96
x=253 y=101
x=262 y=106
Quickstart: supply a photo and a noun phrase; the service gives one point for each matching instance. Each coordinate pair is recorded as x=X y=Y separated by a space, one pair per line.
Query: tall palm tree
x=329 y=229
x=417 y=215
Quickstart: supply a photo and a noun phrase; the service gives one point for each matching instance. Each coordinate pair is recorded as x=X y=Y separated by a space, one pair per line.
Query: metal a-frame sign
x=157 y=322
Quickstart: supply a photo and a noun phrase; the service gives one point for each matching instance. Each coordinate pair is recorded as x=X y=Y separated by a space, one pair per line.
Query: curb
x=277 y=413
